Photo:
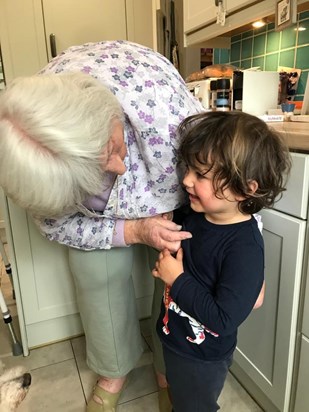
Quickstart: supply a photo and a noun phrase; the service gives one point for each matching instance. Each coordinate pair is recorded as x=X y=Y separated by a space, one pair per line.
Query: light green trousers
x=107 y=306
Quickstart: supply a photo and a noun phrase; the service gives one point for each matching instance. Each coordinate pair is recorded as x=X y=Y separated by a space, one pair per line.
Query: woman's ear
x=253 y=186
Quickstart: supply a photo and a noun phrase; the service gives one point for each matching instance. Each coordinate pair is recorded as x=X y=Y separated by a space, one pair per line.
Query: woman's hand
x=168 y=268
x=157 y=232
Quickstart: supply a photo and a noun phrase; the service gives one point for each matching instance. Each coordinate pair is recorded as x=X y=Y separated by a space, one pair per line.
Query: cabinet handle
x=53 y=48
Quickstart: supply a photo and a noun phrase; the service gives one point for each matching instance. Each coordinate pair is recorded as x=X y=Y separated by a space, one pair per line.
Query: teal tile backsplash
x=269 y=49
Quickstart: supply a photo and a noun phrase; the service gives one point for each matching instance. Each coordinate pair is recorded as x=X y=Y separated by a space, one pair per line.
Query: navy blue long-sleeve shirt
x=222 y=278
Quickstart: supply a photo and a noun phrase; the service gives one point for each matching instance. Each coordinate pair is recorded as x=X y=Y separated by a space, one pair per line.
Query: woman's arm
x=90 y=233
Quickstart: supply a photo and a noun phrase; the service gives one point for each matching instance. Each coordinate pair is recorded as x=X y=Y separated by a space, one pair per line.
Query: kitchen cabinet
x=198 y=13
x=302 y=377
x=45 y=294
x=200 y=19
x=27 y=28
x=302 y=393
x=89 y=21
x=264 y=357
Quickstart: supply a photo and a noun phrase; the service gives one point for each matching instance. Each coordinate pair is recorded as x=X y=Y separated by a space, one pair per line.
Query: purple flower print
x=173 y=188
x=153 y=211
x=134 y=167
x=141 y=114
x=149 y=119
x=155 y=140
x=80 y=230
x=161 y=178
x=114 y=69
x=150 y=184
x=169 y=170
x=86 y=69
x=131 y=138
x=149 y=83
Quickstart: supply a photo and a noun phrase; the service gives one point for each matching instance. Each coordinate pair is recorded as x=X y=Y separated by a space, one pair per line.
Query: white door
x=266 y=340
x=71 y=22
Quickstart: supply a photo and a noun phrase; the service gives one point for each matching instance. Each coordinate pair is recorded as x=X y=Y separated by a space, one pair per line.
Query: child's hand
x=167 y=267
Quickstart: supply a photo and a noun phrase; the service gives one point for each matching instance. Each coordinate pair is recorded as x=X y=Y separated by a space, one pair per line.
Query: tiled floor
x=61 y=381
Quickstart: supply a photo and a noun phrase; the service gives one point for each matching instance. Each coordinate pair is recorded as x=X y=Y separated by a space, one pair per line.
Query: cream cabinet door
x=71 y=22
x=199 y=13
x=266 y=340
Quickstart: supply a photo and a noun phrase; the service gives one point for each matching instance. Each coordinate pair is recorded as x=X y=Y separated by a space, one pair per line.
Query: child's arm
x=260 y=299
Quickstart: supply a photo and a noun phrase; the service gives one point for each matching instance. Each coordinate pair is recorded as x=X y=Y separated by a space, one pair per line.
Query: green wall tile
x=259 y=45
x=246 y=64
x=235 y=51
x=287 y=58
x=260 y=30
x=302 y=83
x=271 y=62
x=304 y=15
x=258 y=61
x=224 y=56
x=288 y=38
x=246 y=48
x=235 y=38
x=247 y=34
x=216 y=56
x=302 y=54
x=273 y=41
x=303 y=36
x=269 y=48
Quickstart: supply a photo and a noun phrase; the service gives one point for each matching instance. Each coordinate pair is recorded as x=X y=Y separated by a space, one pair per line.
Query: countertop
x=295 y=133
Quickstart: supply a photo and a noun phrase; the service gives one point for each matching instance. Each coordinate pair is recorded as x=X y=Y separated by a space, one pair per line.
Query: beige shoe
x=108 y=400
x=165 y=404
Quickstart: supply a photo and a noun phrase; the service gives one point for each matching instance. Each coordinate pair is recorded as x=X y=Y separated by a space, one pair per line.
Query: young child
x=235 y=165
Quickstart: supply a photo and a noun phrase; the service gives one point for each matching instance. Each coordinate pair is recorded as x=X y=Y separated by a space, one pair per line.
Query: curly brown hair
x=239 y=148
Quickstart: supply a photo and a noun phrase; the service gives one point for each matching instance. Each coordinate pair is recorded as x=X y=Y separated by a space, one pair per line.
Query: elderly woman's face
x=116 y=151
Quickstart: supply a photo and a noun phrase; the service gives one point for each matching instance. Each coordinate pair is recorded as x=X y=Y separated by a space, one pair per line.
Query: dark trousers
x=195 y=385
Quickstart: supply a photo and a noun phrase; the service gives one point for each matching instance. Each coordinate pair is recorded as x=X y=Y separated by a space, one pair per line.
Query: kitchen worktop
x=295 y=133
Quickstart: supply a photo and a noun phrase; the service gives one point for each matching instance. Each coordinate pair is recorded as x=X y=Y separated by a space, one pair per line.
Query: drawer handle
x=53 y=48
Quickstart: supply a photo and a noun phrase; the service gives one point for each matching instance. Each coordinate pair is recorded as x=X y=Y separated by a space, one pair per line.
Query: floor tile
x=142 y=382
x=55 y=388
x=147 y=403
x=235 y=399
x=40 y=357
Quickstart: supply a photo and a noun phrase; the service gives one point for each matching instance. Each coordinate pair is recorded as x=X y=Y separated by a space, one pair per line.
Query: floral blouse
x=155 y=100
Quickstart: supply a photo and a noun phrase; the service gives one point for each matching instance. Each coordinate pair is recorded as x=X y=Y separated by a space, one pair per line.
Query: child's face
x=199 y=185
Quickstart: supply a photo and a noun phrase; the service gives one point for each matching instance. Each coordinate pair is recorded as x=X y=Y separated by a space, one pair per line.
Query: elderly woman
x=89 y=147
